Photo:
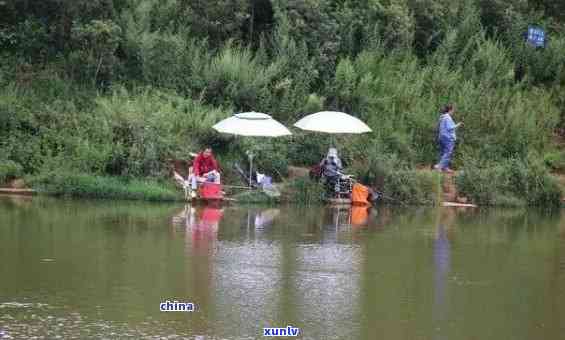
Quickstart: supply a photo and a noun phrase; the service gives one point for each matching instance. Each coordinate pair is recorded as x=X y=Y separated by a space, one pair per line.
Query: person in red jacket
x=204 y=169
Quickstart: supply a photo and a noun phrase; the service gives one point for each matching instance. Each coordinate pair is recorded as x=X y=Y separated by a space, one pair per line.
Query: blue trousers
x=446 y=147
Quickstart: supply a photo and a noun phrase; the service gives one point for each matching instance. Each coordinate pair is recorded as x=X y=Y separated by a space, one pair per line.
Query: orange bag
x=360 y=194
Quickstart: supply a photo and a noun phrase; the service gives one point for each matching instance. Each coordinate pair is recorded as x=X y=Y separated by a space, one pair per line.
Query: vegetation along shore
x=96 y=96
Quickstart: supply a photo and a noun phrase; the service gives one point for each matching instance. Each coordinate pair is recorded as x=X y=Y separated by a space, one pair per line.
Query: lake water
x=101 y=269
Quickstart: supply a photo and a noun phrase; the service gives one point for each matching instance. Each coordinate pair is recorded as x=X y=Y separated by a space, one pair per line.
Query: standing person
x=446 y=137
x=205 y=169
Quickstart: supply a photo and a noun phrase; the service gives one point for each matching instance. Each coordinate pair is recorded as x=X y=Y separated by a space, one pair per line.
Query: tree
x=218 y=20
x=311 y=22
x=96 y=44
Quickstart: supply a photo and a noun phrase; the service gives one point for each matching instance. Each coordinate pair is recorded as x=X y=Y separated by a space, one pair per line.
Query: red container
x=210 y=191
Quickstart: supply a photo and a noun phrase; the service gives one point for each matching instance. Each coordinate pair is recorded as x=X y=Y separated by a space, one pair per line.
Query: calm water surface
x=100 y=269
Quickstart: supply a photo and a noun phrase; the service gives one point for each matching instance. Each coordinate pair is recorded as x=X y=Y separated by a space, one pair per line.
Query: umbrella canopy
x=253 y=124
x=332 y=122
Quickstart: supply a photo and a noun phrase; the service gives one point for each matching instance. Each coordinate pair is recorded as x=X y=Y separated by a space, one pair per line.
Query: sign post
x=536 y=36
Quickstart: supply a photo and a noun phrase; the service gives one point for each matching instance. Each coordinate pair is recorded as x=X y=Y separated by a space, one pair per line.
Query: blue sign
x=536 y=36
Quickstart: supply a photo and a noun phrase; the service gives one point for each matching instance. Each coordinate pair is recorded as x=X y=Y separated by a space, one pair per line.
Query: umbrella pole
x=250 y=155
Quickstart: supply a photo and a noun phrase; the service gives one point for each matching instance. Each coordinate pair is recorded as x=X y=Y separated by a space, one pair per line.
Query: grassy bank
x=89 y=186
x=512 y=184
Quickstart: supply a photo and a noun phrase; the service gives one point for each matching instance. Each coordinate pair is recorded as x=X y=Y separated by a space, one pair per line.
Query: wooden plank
x=455 y=204
x=11 y=191
x=237 y=187
x=339 y=201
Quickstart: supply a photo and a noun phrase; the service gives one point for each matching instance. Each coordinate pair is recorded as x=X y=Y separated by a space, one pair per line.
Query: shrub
x=9 y=170
x=514 y=181
x=304 y=191
x=397 y=181
x=148 y=126
x=235 y=77
x=555 y=160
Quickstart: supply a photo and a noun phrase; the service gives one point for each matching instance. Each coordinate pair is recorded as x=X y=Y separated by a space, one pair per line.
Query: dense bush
x=512 y=182
x=130 y=133
x=9 y=170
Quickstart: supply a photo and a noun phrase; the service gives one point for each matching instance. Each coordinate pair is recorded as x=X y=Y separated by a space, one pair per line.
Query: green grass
x=9 y=170
x=82 y=185
x=303 y=191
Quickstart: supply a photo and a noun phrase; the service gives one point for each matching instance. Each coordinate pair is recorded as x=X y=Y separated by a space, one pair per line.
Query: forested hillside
x=118 y=87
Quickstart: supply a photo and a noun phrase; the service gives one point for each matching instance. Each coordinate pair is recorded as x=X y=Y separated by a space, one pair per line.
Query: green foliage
x=218 y=20
x=234 y=74
x=398 y=25
x=28 y=39
x=303 y=191
x=310 y=22
x=411 y=186
x=397 y=181
x=513 y=181
x=346 y=80
x=555 y=160
x=93 y=57
x=146 y=127
x=118 y=87
x=306 y=149
x=9 y=170
x=291 y=91
x=431 y=19
x=130 y=133
x=400 y=100
x=83 y=185
x=314 y=103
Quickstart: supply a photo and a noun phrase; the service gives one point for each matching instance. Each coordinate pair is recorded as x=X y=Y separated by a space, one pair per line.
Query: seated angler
x=331 y=167
x=204 y=169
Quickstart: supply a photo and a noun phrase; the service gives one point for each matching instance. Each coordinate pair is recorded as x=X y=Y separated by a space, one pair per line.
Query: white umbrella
x=255 y=124
x=252 y=124
x=332 y=122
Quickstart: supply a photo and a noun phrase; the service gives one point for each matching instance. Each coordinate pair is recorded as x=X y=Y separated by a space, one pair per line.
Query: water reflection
x=337 y=273
x=265 y=218
x=360 y=216
x=442 y=261
x=206 y=220
x=239 y=280
x=200 y=226
x=346 y=217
